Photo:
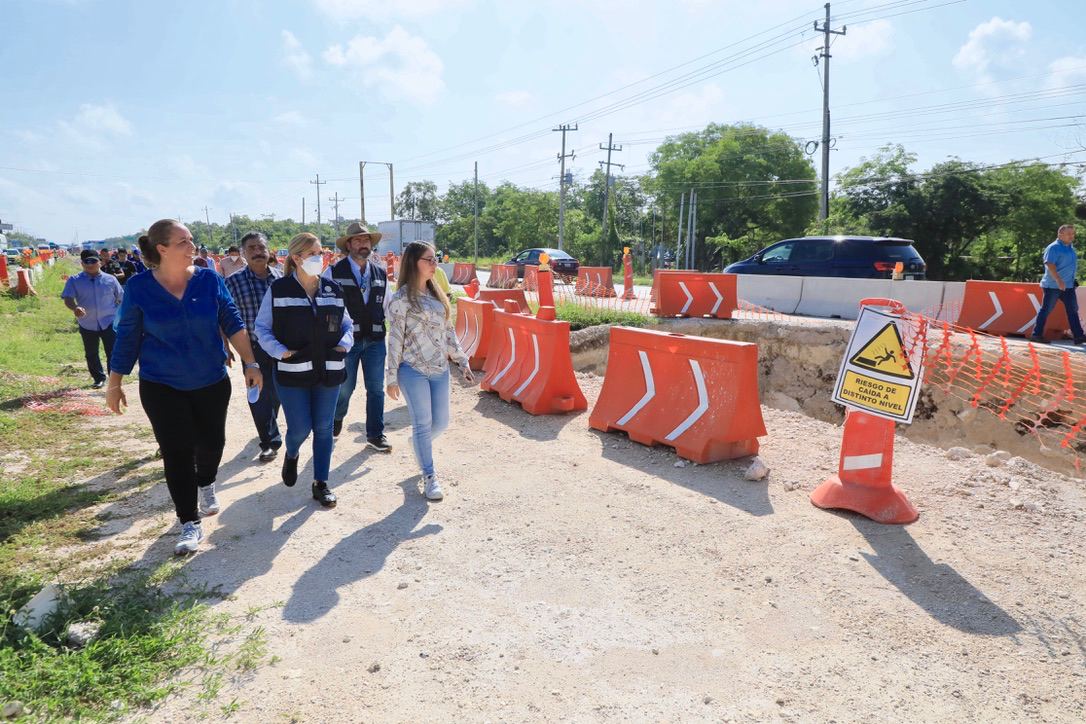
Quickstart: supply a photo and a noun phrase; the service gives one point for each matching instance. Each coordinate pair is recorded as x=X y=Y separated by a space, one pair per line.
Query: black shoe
x=98 y=384
x=337 y=427
x=323 y=495
x=290 y=471
x=1080 y=340
x=267 y=454
x=380 y=444
x=1038 y=340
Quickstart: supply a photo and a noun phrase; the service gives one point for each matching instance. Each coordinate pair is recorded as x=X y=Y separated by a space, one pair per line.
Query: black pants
x=90 y=348
x=266 y=409
x=190 y=427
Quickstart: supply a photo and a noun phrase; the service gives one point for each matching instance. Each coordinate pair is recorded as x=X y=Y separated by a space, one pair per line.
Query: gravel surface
x=573 y=575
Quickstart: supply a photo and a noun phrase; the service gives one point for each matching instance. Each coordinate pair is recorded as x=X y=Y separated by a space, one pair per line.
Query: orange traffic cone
x=862 y=483
x=627 y=275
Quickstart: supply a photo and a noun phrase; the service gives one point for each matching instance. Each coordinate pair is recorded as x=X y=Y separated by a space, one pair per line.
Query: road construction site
x=575 y=574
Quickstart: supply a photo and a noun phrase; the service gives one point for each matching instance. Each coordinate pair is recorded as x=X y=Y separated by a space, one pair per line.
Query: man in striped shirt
x=248 y=288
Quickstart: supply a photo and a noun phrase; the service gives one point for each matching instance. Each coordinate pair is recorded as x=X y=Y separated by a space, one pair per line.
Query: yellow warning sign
x=874 y=395
x=885 y=354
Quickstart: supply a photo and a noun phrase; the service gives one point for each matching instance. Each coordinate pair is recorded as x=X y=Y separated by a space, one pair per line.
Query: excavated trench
x=798 y=363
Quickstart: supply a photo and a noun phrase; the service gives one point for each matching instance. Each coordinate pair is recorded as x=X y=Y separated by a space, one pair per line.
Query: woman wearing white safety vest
x=303 y=324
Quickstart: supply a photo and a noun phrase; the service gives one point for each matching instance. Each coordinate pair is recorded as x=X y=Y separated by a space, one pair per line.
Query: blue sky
x=118 y=113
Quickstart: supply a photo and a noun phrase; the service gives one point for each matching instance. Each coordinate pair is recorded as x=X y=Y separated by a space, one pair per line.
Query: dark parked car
x=562 y=263
x=857 y=257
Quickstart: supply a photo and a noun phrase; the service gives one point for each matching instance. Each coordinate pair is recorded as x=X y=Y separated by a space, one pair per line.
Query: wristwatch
x=251 y=365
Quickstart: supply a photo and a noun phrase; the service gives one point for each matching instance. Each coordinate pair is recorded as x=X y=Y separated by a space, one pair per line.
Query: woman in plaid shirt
x=421 y=340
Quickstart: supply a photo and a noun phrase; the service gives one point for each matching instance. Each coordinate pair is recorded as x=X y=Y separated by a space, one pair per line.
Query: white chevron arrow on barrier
x=535 y=369
x=703 y=403
x=998 y=310
x=689 y=298
x=1036 y=310
x=650 y=390
x=719 y=298
x=512 y=357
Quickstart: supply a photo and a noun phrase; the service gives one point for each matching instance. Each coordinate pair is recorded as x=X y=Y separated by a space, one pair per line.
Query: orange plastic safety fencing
x=595 y=281
x=68 y=401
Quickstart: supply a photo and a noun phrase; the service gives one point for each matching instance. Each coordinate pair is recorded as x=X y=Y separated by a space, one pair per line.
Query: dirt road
x=571 y=575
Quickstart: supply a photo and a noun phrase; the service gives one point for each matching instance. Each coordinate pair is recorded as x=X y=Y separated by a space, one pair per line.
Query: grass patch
x=581 y=317
x=151 y=629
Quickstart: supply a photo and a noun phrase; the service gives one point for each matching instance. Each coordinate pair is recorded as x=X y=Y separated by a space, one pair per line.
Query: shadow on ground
x=935 y=587
x=359 y=555
x=720 y=481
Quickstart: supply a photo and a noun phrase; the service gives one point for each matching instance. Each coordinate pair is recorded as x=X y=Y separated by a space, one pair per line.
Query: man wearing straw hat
x=364 y=282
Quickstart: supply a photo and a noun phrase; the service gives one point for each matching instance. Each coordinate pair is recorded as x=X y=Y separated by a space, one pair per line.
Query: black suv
x=857 y=257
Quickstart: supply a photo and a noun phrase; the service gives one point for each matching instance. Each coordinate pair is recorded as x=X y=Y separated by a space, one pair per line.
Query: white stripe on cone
x=862 y=462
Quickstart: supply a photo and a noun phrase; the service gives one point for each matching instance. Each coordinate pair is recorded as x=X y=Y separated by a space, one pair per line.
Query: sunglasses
x=91 y=262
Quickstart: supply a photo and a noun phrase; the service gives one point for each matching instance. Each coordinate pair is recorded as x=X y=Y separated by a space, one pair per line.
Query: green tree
x=754 y=187
x=1040 y=199
x=418 y=201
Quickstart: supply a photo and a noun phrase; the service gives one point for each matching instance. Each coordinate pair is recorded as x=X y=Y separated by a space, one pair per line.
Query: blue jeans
x=370 y=354
x=310 y=409
x=427 y=401
x=266 y=409
x=1070 y=303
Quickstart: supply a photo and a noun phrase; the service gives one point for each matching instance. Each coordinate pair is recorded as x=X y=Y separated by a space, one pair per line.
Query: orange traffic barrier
x=627 y=275
x=529 y=362
x=502 y=276
x=23 y=286
x=595 y=281
x=498 y=297
x=4 y=271
x=695 y=394
x=1008 y=308
x=463 y=273
x=472 y=289
x=390 y=266
x=474 y=322
x=694 y=294
x=531 y=278
x=862 y=483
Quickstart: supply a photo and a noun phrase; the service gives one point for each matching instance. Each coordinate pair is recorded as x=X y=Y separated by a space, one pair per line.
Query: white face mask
x=313 y=266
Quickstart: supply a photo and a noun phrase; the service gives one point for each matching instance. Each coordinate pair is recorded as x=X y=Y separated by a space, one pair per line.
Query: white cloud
x=304 y=158
x=184 y=165
x=94 y=124
x=993 y=46
x=344 y=10
x=516 y=98
x=290 y=118
x=295 y=56
x=400 y=65
x=867 y=40
x=28 y=136
x=1069 y=70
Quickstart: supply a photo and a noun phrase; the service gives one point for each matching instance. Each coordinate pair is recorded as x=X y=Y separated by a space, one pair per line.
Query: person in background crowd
x=1058 y=284
x=365 y=283
x=137 y=262
x=249 y=287
x=128 y=268
x=171 y=320
x=94 y=297
x=232 y=262
x=421 y=340
x=110 y=265
x=303 y=324
x=204 y=261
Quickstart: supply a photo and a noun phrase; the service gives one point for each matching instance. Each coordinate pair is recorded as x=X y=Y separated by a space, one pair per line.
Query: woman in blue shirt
x=170 y=321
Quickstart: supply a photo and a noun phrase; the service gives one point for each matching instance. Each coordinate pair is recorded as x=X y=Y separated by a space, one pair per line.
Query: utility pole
x=303 y=211
x=207 y=218
x=391 y=194
x=362 y=191
x=318 y=183
x=607 y=196
x=824 y=199
x=335 y=199
x=679 y=231
x=562 y=182
x=692 y=228
x=476 y=202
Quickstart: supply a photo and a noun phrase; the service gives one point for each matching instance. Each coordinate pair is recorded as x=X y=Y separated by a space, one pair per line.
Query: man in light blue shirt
x=94 y=297
x=1058 y=284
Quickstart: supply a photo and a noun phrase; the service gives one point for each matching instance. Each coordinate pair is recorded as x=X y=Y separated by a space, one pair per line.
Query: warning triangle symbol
x=884 y=353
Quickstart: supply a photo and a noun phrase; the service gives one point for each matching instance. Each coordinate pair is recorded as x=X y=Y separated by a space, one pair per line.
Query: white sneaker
x=209 y=502
x=191 y=535
x=432 y=488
